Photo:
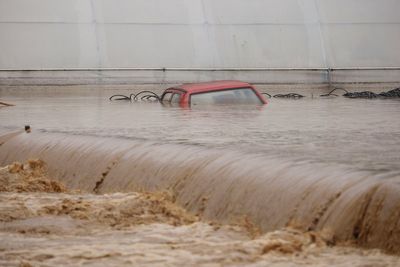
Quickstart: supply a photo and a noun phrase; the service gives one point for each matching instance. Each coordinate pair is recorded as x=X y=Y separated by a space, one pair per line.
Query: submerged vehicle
x=213 y=93
x=205 y=93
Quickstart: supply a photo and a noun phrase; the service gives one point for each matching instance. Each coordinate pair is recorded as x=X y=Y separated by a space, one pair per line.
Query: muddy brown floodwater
x=309 y=182
x=42 y=223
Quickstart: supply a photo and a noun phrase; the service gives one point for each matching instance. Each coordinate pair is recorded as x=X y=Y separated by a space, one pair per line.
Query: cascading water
x=224 y=185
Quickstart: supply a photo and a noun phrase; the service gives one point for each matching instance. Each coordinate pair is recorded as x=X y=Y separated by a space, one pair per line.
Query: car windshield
x=226 y=97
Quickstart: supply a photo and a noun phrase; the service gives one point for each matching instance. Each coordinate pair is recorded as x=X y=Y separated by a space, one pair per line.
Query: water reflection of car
x=213 y=93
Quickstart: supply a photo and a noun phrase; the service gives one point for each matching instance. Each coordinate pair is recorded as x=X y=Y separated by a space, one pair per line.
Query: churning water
x=320 y=164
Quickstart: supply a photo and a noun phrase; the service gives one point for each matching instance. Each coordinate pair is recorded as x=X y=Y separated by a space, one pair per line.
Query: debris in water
x=27 y=128
x=4 y=104
x=147 y=229
x=395 y=93
x=28 y=177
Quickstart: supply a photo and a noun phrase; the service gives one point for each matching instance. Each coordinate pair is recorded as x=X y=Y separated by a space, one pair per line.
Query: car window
x=166 y=97
x=176 y=98
x=226 y=97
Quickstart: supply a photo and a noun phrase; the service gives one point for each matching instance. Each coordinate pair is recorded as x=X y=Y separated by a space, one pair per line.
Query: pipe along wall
x=225 y=185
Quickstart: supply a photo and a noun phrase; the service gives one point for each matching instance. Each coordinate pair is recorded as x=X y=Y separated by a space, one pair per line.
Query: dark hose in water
x=333 y=90
x=145 y=96
x=152 y=96
x=395 y=93
x=224 y=185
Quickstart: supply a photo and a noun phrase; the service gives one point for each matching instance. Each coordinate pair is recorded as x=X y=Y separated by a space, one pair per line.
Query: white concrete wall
x=38 y=34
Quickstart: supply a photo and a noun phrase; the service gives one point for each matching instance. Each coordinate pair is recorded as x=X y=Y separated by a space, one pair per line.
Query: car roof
x=211 y=86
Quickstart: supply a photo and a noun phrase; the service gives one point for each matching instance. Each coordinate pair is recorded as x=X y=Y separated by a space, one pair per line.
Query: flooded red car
x=213 y=93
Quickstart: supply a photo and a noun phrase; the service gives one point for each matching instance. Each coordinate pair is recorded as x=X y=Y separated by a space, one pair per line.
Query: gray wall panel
x=148 y=46
x=149 y=11
x=256 y=11
x=39 y=46
x=267 y=45
x=241 y=46
x=359 y=11
x=365 y=45
x=50 y=11
x=39 y=34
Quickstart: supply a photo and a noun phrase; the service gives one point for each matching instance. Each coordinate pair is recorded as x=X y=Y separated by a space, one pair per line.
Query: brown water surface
x=364 y=134
x=139 y=183
x=40 y=228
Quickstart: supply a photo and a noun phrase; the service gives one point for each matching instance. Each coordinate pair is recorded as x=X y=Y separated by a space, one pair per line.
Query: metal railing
x=210 y=69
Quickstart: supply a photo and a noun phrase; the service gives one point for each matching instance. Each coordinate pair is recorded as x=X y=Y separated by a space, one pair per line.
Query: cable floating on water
x=334 y=89
x=120 y=97
x=395 y=93
x=269 y=96
x=145 y=96
x=290 y=95
x=148 y=95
